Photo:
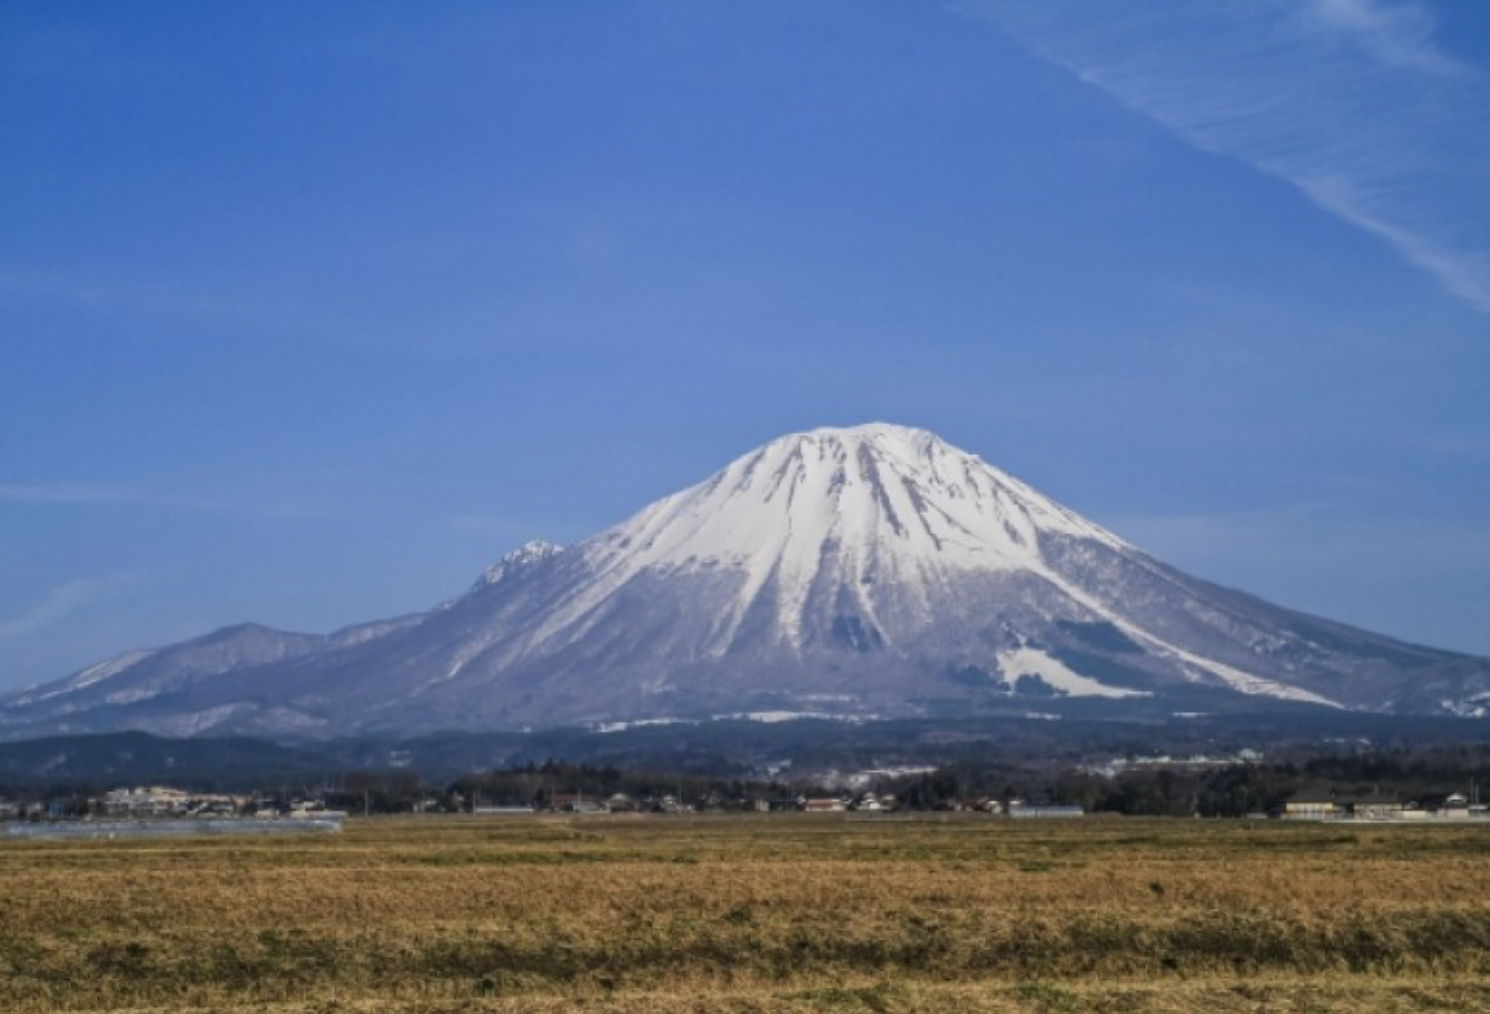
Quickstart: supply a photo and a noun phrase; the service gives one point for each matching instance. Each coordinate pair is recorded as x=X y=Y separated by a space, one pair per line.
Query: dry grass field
x=786 y=913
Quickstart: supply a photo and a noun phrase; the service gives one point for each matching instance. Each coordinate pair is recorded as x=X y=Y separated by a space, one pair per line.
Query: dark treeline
x=538 y=785
x=1231 y=790
x=543 y=785
x=1217 y=790
x=1424 y=775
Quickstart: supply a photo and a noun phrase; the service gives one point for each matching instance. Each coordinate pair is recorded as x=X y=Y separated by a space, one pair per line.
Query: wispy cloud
x=61 y=602
x=1397 y=36
x=1350 y=101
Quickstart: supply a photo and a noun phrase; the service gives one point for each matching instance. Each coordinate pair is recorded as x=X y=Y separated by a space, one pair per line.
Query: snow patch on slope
x=193 y=723
x=1243 y=682
x=1034 y=662
x=93 y=674
x=776 y=717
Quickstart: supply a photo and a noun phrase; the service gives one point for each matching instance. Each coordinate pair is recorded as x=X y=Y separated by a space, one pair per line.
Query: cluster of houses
x=166 y=803
x=578 y=802
x=863 y=802
x=162 y=811
x=1380 y=807
x=869 y=802
x=162 y=802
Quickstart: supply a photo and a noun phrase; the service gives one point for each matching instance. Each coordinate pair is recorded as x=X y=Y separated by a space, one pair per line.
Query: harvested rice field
x=789 y=912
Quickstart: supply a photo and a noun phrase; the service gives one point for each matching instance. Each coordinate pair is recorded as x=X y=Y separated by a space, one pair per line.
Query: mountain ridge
x=862 y=572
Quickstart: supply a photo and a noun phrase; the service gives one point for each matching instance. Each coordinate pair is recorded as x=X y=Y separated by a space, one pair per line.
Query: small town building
x=1376 y=806
x=574 y=802
x=621 y=803
x=1455 y=806
x=1312 y=806
x=669 y=804
x=824 y=805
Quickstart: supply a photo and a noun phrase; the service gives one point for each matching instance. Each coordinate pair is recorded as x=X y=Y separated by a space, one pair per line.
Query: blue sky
x=308 y=312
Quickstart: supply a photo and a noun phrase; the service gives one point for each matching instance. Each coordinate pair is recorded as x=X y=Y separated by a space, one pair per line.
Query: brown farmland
x=781 y=913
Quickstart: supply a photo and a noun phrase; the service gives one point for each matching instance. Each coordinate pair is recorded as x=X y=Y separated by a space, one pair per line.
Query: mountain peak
x=874 y=490
x=525 y=555
x=904 y=442
x=874 y=431
x=863 y=571
x=831 y=513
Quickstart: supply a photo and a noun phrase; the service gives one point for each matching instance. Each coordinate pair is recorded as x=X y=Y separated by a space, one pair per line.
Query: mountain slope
x=874 y=571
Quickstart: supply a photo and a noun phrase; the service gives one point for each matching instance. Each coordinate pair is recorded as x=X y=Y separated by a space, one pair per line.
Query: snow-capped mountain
x=873 y=571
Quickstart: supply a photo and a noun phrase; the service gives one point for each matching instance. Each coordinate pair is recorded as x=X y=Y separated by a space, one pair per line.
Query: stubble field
x=781 y=913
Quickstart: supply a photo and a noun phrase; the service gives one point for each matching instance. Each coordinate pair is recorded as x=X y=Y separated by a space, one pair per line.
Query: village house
x=621 y=803
x=824 y=804
x=1312 y=806
x=1376 y=806
x=670 y=804
x=1455 y=806
x=574 y=802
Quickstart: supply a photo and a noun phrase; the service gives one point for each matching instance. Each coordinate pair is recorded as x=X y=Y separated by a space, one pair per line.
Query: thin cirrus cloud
x=1350 y=101
x=61 y=602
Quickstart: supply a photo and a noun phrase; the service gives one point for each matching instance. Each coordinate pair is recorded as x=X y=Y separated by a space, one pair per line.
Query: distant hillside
x=137 y=758
x=727 y=749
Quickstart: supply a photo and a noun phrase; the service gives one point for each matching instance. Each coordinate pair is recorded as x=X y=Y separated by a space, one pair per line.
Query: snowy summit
x=857 y=506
